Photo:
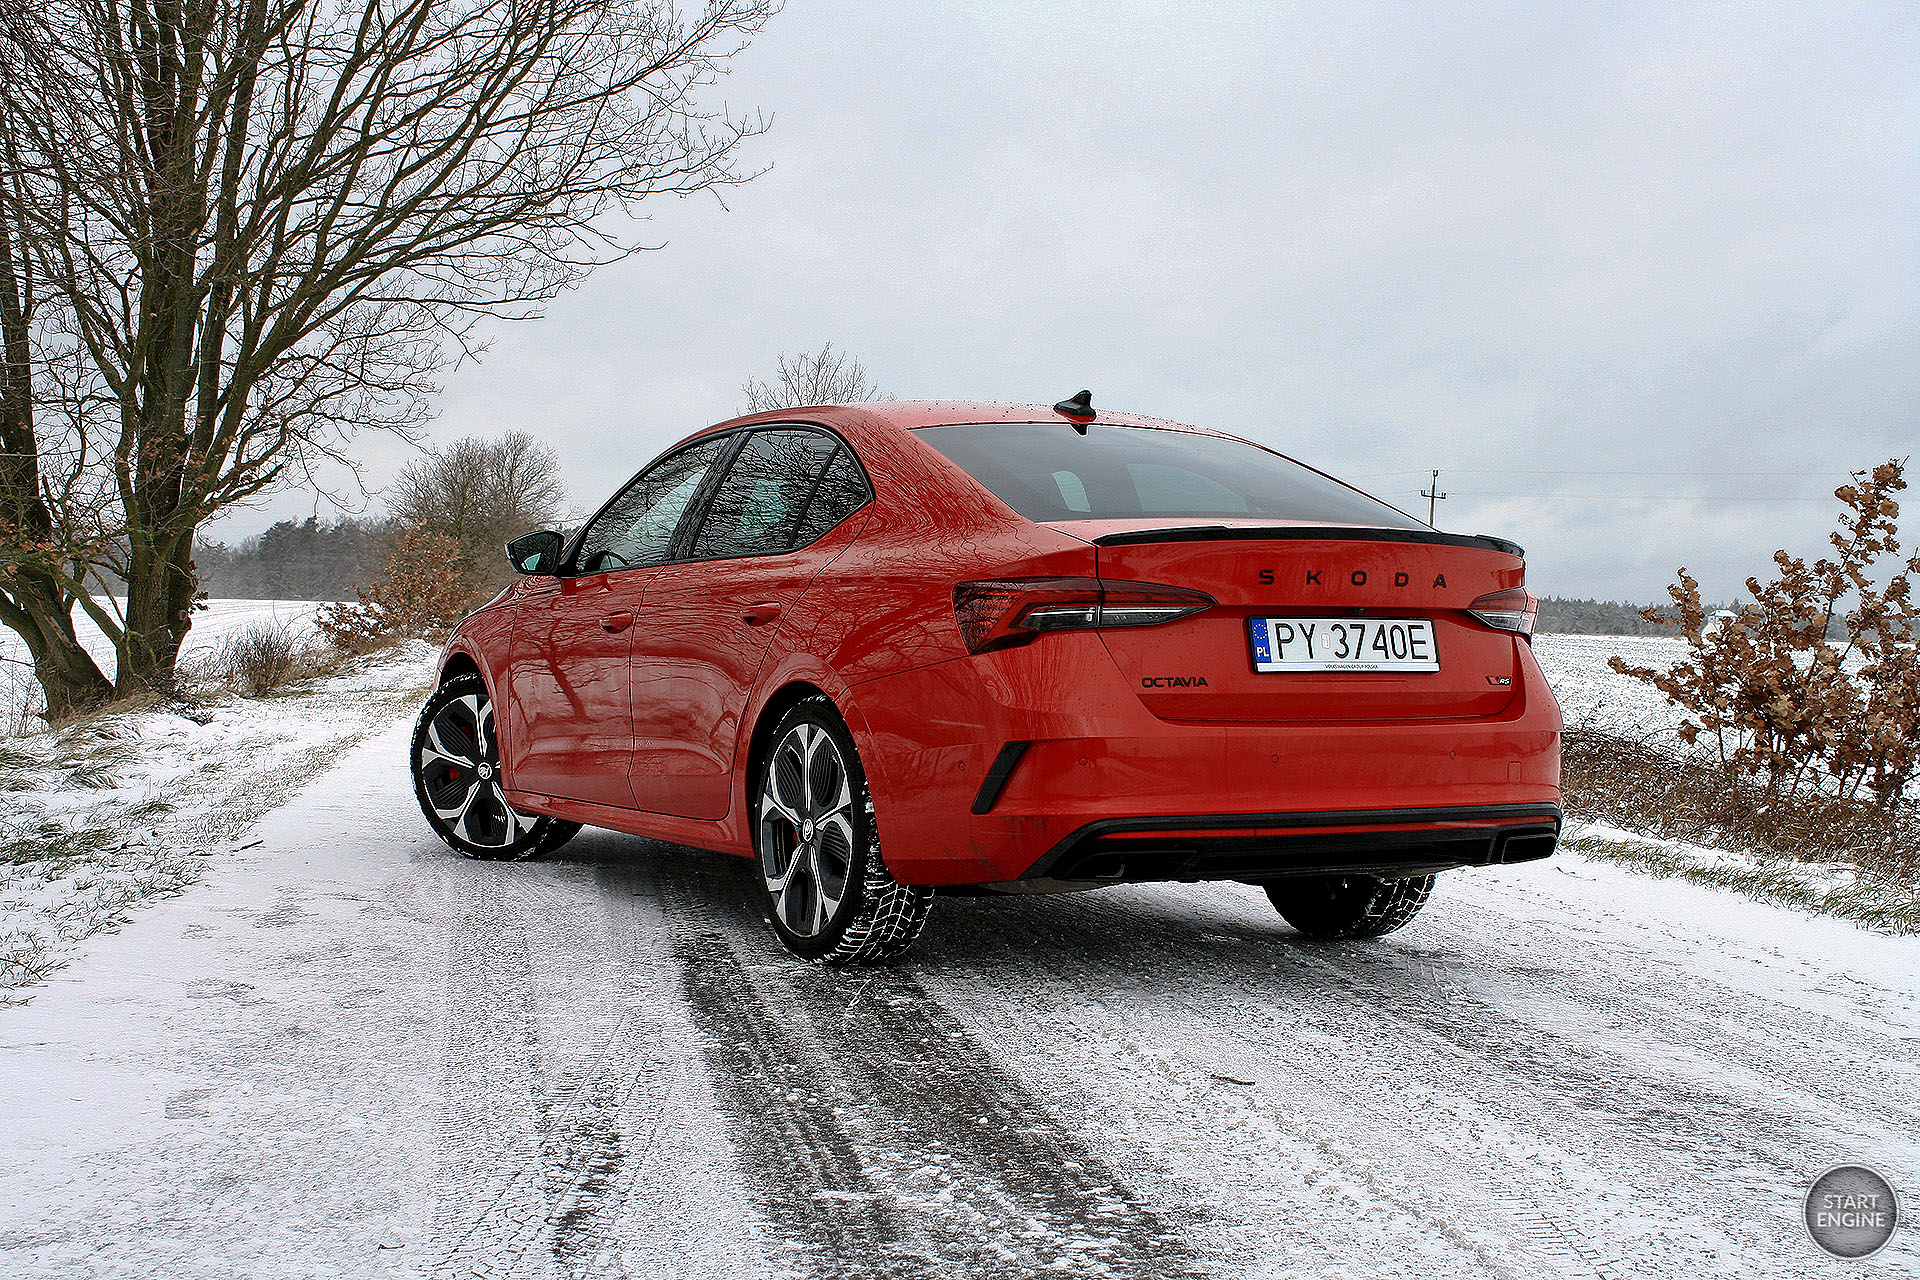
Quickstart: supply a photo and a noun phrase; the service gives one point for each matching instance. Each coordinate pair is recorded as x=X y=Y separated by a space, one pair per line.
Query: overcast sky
x=1565 y=254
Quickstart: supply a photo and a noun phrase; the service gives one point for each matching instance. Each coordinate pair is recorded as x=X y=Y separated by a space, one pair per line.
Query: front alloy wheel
x=456 y=777
x=829 y=894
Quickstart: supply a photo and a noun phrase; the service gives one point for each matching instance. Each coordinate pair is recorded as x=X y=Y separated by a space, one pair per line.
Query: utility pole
x=1432 y=495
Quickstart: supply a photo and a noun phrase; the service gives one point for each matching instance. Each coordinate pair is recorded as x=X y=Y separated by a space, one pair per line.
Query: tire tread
x=1349 y=906
x=891 y=915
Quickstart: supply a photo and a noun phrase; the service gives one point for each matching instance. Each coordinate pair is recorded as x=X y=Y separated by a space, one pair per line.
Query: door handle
x=614 y=623
x=766 y=611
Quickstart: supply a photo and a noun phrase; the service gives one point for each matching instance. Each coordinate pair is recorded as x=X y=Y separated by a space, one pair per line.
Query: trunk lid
x=1201 y=668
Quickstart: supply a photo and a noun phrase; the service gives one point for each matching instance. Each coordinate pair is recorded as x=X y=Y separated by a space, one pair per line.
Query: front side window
x=637 y=527
x=1049 y=471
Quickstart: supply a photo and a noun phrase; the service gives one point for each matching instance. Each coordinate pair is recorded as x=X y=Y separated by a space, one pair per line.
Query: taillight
x=1008 y=611
x=1509 y=610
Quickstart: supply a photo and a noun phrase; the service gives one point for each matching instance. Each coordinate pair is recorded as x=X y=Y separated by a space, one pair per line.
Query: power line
x=1643 y=497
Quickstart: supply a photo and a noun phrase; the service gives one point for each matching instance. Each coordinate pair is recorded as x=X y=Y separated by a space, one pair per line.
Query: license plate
x=1344 y=644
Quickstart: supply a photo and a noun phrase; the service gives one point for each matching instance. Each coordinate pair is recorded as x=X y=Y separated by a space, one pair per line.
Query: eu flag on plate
x=1262 y=647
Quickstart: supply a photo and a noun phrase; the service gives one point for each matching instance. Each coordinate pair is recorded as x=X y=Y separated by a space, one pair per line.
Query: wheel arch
x=778 y=703
x=795 y=687
x=458 y=662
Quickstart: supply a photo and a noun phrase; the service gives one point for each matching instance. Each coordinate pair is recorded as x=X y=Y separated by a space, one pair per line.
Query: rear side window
x=772 y=494
x=841 y=492
x=1049 y=471
x=762 y=496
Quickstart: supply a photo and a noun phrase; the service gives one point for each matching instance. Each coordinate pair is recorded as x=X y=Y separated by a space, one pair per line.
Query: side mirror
x=535 y=552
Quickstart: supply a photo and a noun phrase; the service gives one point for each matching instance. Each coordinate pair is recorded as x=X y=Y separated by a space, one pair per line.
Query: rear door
x=777 y=514
x=571 y=733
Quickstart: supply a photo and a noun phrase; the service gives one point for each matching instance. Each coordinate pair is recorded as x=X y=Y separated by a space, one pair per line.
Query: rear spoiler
x=1309 y=533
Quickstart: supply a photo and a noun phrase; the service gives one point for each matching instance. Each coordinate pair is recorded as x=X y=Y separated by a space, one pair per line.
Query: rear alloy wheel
x=1348 y=906
x=829 y=894
x=456 y=777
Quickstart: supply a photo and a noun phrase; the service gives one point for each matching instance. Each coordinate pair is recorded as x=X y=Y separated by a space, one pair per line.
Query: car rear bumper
x=1261 y=847
x=1101 y=783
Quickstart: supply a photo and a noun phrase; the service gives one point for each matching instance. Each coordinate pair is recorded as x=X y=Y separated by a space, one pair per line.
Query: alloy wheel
x=459 y=769
x=805 y=833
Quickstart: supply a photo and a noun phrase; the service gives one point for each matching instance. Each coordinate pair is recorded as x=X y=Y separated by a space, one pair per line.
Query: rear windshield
x=1049 y=471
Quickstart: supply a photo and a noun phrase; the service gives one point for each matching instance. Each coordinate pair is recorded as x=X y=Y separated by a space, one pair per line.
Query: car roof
x=910 y=414
x=907 y=415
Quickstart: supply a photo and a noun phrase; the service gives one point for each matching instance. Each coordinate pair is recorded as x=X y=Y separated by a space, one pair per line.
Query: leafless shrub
x=265 y=657
x=21 y=701
x=257 y=661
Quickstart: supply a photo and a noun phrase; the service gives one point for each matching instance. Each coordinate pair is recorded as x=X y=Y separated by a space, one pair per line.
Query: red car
x=891 y=648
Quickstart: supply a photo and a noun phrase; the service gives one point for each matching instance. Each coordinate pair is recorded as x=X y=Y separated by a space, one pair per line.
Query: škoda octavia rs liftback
x=884 y=649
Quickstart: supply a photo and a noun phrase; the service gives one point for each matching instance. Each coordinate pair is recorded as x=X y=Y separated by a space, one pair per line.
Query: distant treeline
x=1598 y=618
x=309 y=559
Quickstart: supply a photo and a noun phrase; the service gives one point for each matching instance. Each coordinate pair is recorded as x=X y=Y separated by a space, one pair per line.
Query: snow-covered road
x=349 y=1052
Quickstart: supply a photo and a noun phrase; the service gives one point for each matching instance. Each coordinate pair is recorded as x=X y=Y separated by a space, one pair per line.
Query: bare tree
x=830 y=377
x=481 y=493
x=254 y=227
x=51 y=502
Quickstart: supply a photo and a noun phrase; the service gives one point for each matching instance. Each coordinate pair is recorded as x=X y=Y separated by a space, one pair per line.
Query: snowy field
x=351 y=1053
x=20 y=697
x=1593 y=697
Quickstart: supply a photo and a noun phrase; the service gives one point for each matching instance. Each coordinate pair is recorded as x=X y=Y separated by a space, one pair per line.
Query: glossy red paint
x=567 y=684
x=630 y=698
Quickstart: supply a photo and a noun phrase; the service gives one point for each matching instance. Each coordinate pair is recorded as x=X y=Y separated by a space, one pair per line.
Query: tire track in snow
x=534 y=1173
x=1787 y=1045
x=784 y=1117
x=1503 y=1122
x=488 y=1215
x=1021 y=1169
x=1465 y=1196
x=930 y=1158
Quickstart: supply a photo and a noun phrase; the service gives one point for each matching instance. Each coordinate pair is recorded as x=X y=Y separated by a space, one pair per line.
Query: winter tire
x=829 y=895
x=456 y=778
x=1348 y=906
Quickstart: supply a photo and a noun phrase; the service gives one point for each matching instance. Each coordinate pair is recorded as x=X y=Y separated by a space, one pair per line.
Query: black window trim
x=689 y=528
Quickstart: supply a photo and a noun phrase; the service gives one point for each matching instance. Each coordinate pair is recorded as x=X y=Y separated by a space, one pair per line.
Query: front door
x=775 y=518
x=568 y=688
x=572 y=734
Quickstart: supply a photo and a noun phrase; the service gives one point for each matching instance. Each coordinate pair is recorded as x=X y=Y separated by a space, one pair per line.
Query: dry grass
x=20 y=699
x=259 y=661
x=1671 y=794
